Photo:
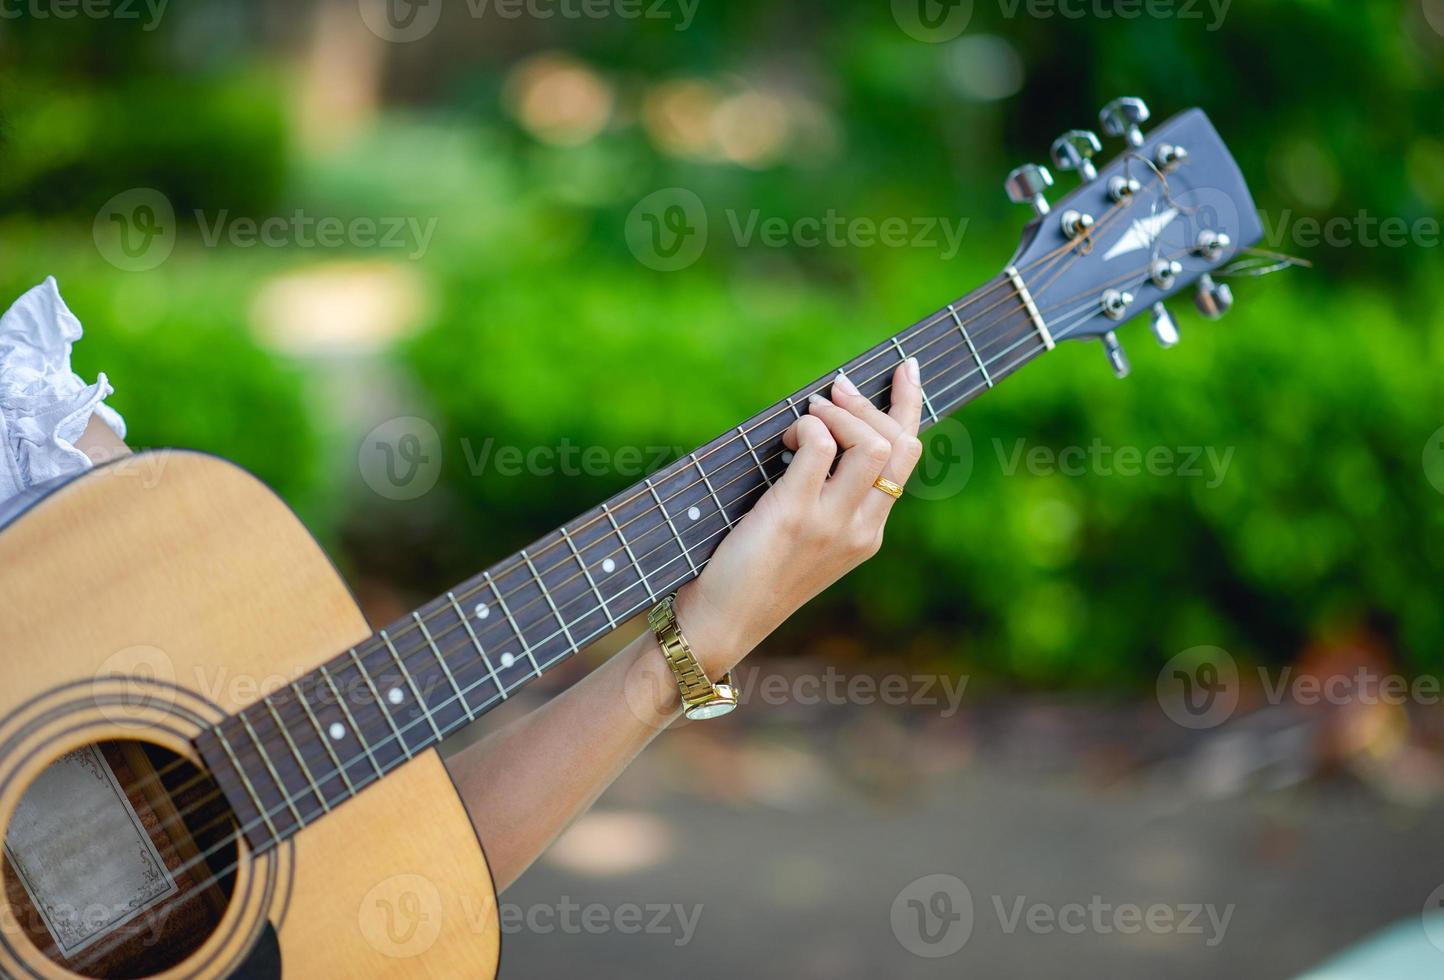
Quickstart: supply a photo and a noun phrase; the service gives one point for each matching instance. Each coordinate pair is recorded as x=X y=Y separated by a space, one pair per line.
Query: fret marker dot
x=481 y=611
x=507 y=659
x=337 y=731
x=609 y=566
x=394 y=695
x=787 y=456
x=694 y=512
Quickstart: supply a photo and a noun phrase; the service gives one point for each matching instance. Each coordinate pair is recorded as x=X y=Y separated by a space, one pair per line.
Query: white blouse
x=44 y=406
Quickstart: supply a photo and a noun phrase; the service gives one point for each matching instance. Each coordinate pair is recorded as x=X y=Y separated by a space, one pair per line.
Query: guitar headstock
x=1160 y=218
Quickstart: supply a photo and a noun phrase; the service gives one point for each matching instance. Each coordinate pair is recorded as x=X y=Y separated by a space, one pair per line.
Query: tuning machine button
x=1169 y=156
x=1213 y=299
x=1075 y=224
x=1027 y=184
x=1116 y=303
x=1074 y=150
x=1165 y=327
x=1122 y=117
x=1121 y=188
x=1117 y=359
x=1164 y=273
x=1212 y=244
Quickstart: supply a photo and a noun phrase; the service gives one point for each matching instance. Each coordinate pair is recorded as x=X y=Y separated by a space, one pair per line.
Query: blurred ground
x=786 y=834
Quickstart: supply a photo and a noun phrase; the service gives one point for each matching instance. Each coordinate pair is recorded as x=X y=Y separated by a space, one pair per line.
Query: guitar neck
x=293 y=757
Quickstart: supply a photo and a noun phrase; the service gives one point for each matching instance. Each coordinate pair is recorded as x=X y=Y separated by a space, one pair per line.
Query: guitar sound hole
x=120 y=860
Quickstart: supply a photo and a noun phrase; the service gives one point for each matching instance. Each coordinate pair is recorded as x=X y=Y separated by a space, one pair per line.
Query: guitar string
x=367 y=647
x=434 y=651
x=419 y=652
x=724 y=515
x=430 y=650
x=315 y=790
x=920 y=329
x=491 y=633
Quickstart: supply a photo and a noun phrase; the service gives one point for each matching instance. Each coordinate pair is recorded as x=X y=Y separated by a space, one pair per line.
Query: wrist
x=711 y=632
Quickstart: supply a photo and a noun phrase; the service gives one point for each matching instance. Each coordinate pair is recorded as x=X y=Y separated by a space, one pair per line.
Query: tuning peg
x=1213 y=299
x=1074 y=151
x=1122 y=117
x=1116 y=357
x=1027 y=184
x=1165 y=327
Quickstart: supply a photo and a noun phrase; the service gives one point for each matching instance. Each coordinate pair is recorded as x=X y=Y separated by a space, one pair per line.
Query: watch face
x=716 y=709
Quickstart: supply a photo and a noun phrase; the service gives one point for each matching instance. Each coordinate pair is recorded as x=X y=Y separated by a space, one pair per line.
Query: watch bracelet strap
x=696 y=686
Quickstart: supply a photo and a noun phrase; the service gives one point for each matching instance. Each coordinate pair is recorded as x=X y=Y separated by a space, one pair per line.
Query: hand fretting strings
x=993 y=361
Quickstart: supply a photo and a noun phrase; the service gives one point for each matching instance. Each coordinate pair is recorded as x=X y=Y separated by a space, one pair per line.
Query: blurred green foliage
x=540 y=325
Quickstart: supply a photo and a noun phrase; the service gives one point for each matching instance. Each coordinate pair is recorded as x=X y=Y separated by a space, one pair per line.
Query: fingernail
x=815 y=399
x=914 y=375
x=841 y=382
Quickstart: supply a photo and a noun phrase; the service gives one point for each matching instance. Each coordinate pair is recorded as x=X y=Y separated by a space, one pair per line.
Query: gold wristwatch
x=700 y=697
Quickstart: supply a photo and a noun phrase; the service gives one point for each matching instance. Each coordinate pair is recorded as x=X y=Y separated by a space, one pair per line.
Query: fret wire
x=755 y=457
x=411 y=683
x=926 y=400
x=324 y=740
x=436 y=652
x=384 y=709
x=668 y=517
x=466 y=624
x=514 y=627
x=270 y=768
x=969 y=341
x=790 y=405
x=295 y=751
x=355 y=728
x=581 y=563
x=546 y=594
x=706 y=480
x=641 y=572
x=250 y=787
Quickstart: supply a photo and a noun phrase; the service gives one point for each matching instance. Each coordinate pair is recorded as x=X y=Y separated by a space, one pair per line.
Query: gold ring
x=888 y=487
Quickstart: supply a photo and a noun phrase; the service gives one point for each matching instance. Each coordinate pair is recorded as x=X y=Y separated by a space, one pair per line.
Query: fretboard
x=308 y=747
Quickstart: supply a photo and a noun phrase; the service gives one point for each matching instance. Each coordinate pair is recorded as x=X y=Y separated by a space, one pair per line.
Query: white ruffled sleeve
x=44 y=405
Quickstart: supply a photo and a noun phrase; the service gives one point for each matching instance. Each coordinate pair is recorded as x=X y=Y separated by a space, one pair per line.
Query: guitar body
x=147 y=600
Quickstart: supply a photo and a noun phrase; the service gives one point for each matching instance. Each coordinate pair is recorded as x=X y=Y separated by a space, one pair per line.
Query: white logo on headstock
x=1143 y=234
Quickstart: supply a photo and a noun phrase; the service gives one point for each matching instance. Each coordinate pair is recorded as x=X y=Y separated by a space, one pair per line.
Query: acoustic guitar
x=212 y=766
